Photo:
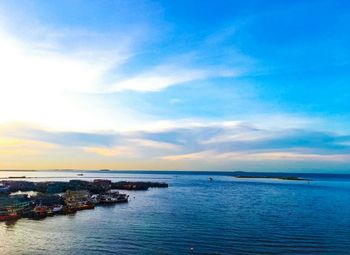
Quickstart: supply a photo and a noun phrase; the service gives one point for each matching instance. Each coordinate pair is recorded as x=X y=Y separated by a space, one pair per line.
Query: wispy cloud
x=159 y=78
x=49 y=66
x=76 y=139
x=225 y=142
x=164 y=76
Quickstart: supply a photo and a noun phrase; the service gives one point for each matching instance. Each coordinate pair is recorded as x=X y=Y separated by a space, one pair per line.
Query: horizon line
x=346 y=172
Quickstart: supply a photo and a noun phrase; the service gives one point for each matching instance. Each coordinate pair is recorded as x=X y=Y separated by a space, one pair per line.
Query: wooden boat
x=39 y=212
x=9 y=214
x=87 y=206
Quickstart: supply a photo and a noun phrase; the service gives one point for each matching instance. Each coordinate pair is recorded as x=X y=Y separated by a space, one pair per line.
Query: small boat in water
x=114 y=198
x=122 y=198
x=57 y=208
x=95 y=199
x=39 y=212
x=119 y=197
x=210 y=178
x=86 y=206
x=107 y=199
x=9 y=214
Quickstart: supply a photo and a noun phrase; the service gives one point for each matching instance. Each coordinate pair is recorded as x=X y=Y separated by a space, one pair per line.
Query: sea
x=227 y=215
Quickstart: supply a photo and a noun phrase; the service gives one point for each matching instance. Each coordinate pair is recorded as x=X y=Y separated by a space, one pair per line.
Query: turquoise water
x=225 y=216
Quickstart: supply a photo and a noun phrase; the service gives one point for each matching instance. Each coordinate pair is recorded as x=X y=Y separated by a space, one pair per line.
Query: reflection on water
x=10 y=224
x=223 y=216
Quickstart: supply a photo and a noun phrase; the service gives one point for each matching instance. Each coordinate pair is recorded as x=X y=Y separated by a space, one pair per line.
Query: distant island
x=286 y=178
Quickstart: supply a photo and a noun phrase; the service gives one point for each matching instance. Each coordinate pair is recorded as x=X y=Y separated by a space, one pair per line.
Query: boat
x=86 y=206
x=210 y=178
x=39 y=212
x=95 y=199
x=122 y=198
x=9 y=214
x=107 y=199
x=113 y=198
x=57 y=208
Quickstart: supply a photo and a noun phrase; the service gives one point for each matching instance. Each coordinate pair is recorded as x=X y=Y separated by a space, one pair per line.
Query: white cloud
x=159 y=78
x=165 y=76
x=199 y=143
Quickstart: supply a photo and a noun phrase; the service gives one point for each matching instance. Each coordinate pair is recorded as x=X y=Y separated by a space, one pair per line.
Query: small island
x=286 y=178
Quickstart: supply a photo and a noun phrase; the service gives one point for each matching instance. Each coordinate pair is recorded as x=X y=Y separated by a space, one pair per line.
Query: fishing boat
x=107 y=199
x=9 y=214
x=57 y=208
x=95 y=199
x=122 y=198
x=113 y=198
x=39 y=212
x=86 y=206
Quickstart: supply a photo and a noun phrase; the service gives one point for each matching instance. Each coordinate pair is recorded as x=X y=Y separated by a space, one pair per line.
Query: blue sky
x=194 y=85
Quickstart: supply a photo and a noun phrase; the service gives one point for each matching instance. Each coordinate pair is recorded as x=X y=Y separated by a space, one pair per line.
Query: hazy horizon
x=209 y=171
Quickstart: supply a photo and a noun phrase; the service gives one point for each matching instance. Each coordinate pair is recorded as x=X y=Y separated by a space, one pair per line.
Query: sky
x=175 y=85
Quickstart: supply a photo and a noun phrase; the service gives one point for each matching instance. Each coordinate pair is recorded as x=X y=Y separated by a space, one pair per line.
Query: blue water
x=225 y=216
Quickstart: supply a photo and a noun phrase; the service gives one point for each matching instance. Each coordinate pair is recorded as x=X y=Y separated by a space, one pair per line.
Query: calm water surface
x=225 y=216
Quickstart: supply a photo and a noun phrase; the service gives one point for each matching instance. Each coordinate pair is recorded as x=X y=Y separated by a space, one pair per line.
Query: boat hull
x=9 y=217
